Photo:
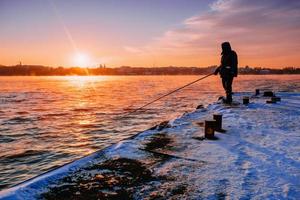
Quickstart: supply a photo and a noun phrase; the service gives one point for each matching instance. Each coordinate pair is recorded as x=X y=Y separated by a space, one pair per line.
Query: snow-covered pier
x=258 y=157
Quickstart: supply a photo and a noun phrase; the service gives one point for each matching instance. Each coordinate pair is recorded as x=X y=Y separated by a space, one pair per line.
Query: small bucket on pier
x=209 y=129
x=245 y=100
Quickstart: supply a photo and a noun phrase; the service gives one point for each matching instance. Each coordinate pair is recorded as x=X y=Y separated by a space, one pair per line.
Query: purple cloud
x=262 y=31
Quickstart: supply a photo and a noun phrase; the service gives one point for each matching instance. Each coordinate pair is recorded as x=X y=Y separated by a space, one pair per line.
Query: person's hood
x=226 y=48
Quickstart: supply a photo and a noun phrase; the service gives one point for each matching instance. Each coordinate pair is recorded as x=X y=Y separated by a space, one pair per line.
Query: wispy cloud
x=263 y=31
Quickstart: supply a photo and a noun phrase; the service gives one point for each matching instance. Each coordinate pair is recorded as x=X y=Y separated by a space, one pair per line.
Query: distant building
x=102 y=66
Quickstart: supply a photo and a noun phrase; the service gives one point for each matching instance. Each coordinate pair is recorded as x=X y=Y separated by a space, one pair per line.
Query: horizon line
x=105 y=66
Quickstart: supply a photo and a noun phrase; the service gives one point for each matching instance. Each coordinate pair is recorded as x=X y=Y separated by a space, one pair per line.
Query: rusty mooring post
x=209 y=129
x=256 y=92
x=218 y=125
x=245 y=100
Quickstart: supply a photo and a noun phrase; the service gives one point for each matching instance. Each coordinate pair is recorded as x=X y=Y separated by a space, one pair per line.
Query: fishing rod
x=169 y=93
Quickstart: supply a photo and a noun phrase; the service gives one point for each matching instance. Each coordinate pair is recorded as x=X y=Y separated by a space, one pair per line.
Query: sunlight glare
x=82 y=82
x=81 y=60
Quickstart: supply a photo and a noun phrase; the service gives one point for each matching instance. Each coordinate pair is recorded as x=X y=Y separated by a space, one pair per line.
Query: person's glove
x=216 y=71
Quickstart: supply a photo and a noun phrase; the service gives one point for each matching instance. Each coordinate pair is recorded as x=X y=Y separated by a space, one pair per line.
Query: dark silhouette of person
x=228 y=69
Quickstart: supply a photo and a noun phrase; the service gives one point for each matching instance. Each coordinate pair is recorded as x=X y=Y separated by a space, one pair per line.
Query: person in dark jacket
x=228 y=69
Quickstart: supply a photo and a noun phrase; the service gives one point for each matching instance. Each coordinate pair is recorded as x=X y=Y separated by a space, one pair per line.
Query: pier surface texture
x=258 y=157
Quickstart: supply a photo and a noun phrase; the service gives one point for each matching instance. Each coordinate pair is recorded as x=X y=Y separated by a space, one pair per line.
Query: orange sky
x=263 y=33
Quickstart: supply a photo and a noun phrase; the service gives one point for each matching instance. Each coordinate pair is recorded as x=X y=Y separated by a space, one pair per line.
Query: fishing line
x=165 y=95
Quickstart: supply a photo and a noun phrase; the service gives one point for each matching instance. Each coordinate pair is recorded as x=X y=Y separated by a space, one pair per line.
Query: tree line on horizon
x=39 y=70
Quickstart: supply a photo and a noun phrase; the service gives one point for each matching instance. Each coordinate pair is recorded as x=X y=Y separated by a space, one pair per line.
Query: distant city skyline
x=36 y=70
x=149 y=33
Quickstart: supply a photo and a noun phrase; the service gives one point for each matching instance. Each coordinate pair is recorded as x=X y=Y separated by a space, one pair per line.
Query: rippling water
x=48 y=121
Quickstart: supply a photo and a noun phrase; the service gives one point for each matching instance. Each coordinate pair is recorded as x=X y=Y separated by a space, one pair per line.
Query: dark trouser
x=227 y=85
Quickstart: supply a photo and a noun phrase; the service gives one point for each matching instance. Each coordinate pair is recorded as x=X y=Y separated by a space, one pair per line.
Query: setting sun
x=81 y=60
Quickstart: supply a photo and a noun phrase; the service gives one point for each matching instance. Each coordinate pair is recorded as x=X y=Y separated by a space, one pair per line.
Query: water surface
x=48 y=121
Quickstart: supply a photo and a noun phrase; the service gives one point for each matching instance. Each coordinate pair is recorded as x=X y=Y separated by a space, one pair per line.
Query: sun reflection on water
x=84 y=81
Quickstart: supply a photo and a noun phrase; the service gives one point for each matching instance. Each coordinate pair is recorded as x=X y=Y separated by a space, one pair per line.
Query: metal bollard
x=257 y=92
x=218 y=118
x=209 y=129
x=245 y=100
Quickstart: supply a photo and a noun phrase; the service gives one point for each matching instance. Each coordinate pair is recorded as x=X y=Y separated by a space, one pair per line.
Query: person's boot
x=226 y=101
x=228 y=98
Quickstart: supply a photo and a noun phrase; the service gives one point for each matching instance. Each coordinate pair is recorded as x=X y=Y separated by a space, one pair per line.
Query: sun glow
x=81 y=60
